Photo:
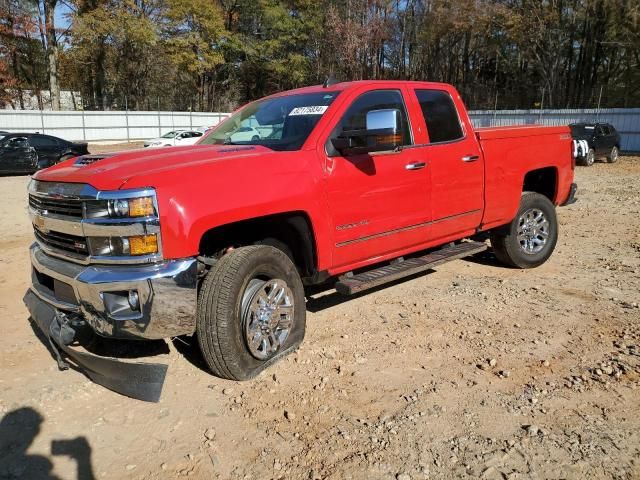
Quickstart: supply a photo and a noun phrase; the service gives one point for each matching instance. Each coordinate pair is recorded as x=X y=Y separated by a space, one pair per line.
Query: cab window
x=355 y=117
x=440 y=115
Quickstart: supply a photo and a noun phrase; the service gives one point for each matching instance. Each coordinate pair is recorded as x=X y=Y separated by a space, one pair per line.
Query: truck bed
x=510 y=152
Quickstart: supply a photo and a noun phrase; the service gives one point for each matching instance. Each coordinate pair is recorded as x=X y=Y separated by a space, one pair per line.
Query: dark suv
x=28 y=152
x=602 y=139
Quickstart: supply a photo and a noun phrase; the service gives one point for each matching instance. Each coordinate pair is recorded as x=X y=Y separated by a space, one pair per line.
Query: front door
x=17 y=156
x=379 y=202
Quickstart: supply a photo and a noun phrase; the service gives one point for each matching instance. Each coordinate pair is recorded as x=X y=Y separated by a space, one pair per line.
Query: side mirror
x=382 y=133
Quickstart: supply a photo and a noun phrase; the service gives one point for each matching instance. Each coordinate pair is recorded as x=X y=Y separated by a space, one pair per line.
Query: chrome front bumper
x=166 y=292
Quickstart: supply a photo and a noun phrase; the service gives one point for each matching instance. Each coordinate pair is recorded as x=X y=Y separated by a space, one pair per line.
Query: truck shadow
x=18 y=429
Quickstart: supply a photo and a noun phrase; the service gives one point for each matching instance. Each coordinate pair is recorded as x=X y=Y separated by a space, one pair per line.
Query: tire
x=589 y=159
x=228 y=307
x=613 y=155
x=532 y=248
x=255 y=138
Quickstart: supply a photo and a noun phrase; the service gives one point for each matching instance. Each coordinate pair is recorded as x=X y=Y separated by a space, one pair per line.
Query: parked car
x=595 y=140
x=28 y=152
x=175 y=138
x=365 y=183
x=244 y=134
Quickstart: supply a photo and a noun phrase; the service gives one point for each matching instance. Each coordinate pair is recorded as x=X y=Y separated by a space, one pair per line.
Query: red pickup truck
x=348 y=185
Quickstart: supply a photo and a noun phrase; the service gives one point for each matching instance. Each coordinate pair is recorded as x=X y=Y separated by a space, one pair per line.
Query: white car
x=245 y=134
x=175 y=138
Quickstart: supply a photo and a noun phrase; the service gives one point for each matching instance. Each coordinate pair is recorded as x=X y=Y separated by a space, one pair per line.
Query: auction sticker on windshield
x=313 y=110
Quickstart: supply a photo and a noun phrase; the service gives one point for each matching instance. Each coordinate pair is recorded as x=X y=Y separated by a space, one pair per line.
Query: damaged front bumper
x=153 y=301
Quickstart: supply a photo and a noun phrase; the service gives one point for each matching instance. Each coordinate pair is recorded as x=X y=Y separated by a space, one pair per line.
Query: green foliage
x=215 y=54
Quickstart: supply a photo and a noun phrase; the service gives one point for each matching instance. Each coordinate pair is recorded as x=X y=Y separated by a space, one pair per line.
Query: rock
x=130 y=467
x=210 y=434
x=227 y=391
x=493 y=362
x=289 y=415
x=163 y=466
x=403 y=476
x=505 y=373
x=532 y=430
x=545 y=363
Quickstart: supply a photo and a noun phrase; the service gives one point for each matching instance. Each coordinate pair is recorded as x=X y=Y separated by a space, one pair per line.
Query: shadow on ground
x=18 y=429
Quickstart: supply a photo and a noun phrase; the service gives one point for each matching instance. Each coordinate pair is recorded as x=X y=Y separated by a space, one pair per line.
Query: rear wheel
x=589 y=158
x=251 y=311
x=613 y=155
x=529 y=240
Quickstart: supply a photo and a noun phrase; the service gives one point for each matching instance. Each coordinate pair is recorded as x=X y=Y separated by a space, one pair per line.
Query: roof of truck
x=340 y=86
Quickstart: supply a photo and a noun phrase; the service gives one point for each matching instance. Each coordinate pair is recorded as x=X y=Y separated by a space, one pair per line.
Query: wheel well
x=543 y=181
x=293 y=229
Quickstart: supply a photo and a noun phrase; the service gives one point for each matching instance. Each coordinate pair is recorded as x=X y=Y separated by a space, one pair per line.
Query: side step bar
x=348 y=285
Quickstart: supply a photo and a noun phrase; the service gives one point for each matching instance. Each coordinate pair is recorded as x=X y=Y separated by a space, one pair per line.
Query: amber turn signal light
x=143 y=245
x=141 y=207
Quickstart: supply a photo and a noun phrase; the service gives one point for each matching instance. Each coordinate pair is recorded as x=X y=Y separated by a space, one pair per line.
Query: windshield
x=169 y=135
x=280 y=123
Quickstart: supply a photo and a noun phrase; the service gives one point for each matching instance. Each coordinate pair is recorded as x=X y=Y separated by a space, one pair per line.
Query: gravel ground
x=473 y=371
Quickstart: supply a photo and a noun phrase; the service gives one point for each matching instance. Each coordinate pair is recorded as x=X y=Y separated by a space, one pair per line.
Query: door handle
x=415 y=165
x=470 y=158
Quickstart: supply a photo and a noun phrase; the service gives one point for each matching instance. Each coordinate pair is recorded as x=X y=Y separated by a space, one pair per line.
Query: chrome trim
x=167 y=293
x=415 y=166
x=404 y=229
x=470 y=158
x=94 y=227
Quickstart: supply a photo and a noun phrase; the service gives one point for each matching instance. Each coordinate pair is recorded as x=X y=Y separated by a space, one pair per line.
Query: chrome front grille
x=71 y=220
x=56 y=206
x=62 y=241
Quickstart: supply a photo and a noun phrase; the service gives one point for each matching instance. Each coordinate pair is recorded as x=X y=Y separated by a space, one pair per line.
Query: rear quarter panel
x=509 y=154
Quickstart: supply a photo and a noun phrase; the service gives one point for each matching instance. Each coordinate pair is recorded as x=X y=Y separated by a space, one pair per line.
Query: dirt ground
x=473 y=371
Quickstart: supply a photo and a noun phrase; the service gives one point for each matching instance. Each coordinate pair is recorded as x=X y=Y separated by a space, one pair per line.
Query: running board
x=348 y=285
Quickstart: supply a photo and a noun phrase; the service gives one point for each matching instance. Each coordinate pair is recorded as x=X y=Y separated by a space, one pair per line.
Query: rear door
x=379 y=202
x=455 y=162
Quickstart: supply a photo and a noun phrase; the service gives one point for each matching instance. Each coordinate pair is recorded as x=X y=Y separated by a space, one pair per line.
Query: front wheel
x=529 y=240
x=251 y=311
x=613 y=155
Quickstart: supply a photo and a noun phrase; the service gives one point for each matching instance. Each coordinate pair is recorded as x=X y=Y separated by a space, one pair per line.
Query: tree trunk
x=52 y=52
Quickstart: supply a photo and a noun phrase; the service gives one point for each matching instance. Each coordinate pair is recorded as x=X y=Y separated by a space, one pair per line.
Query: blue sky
x=61 y=16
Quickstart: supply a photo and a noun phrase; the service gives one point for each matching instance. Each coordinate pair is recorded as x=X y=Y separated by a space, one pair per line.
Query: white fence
x=626 y=120
x=103 y=126
x=125 y=126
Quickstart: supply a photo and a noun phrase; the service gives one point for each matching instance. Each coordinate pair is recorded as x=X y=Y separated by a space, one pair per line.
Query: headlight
x=121 y=246
x=133 y=207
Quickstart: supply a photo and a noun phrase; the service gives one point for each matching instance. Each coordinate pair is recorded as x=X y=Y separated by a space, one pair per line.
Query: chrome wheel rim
x=591 y=157
x=614 y=154
x=533 y=231
x=267 y=316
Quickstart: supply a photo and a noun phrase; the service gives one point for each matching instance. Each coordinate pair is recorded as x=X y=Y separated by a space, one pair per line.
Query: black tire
x=508 y=248
x=613 y=155
x=255 y=138
x=589 y=158
x=220 y=321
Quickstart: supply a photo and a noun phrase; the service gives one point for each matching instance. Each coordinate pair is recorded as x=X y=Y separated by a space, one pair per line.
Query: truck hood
x=111 y=171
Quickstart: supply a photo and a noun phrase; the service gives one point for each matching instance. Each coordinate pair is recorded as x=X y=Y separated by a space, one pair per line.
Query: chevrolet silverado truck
x=350 y=185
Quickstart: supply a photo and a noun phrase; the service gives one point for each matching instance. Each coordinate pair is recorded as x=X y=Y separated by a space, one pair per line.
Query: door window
x=440 y=115
x=17 y=142
x=40 y=141
x=355 y=117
